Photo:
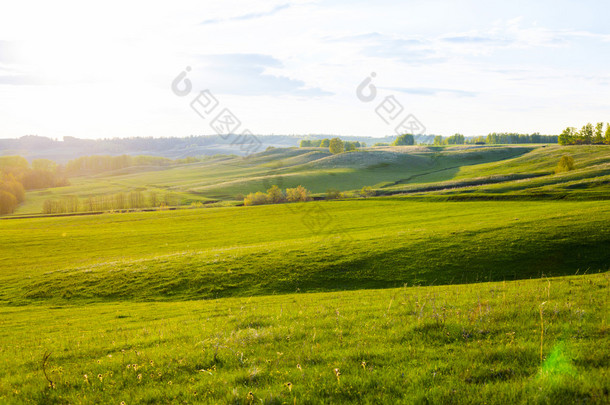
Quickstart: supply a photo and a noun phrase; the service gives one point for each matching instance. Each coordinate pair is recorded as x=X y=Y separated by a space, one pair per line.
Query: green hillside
x=315 y=246
x=283 y=303
x=516 y=170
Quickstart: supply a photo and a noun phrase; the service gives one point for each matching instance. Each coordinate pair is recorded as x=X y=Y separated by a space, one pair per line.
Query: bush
x=351 y=146
x=257 y=198
x=336 y=145
x=332 y=194
x=566 y=163
x=367 y=191
x=347 y=194
x=275 y=195
x=299 y=193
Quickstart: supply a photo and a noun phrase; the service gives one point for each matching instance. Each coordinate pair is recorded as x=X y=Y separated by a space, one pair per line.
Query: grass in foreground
x=534 y=341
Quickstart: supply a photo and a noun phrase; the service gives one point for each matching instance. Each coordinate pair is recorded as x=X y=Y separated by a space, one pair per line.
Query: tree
x=607 y=136
x=336 y=146
x=332 y=194
x=44 y=164
x=599 y=133
x=299 y=193
x=405 y=139
x=438 y=140
x=350 y=146
x=304 y=143
x=457 y=139
x=275 y=195
x=8 y=202
x=120 y=201
x=12 y=186
x=257 y=198
x=568 y=136
x=586 y=134
x=134 y=197
x=325 y=143
x=153 y=198
x=566 y=163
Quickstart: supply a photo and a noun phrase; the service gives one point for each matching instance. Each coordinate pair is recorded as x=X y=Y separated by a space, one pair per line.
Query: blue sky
x=284 y=67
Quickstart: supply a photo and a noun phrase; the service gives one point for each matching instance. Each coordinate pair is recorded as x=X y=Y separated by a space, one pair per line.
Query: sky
x=130 y=68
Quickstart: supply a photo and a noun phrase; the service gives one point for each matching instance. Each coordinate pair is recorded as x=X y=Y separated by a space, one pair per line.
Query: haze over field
x=291 y=67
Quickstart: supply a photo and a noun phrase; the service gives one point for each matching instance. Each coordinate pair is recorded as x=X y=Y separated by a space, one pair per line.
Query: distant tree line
x=98 y=164
x=17 y=176
x=495 y=138
x=512 y=138
x=457 y=139
x=112 y=202
x=588 y=135
x=103 y=163
x=335 y=145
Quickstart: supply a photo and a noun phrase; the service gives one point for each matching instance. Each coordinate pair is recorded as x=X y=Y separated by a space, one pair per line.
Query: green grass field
x=316 y=246
x=477 y=343
x=410 y=297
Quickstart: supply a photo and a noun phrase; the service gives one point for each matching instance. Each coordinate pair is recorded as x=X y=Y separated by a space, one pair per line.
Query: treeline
x=456 y=139
x=113 y=202
x=16 y=176
x=504 y=138
x=325 y=143
x=495 y=138
x=99 y=163
x=588 y=135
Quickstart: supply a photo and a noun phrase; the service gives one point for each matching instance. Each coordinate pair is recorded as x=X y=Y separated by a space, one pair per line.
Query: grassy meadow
x=477 y=275
x=307 y=247
x=535 y=341
x=467 y=171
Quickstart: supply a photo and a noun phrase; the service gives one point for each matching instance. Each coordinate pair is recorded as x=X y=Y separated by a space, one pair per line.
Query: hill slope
x=458 y=172
x=317 y=246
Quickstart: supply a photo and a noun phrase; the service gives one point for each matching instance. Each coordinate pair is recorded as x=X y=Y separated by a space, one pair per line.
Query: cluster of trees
x=17 y=176
x=275 y=195
x=12 y=194
x=588 y=135
x=457 y=139
x=334 y=145
x=504 y=138
x=119 y=201
x=495 y=138
x=314 y=143
x=99 y=164
x=405 y=139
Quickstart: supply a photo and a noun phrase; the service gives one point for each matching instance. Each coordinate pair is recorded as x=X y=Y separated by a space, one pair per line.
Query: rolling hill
x=454 y=172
